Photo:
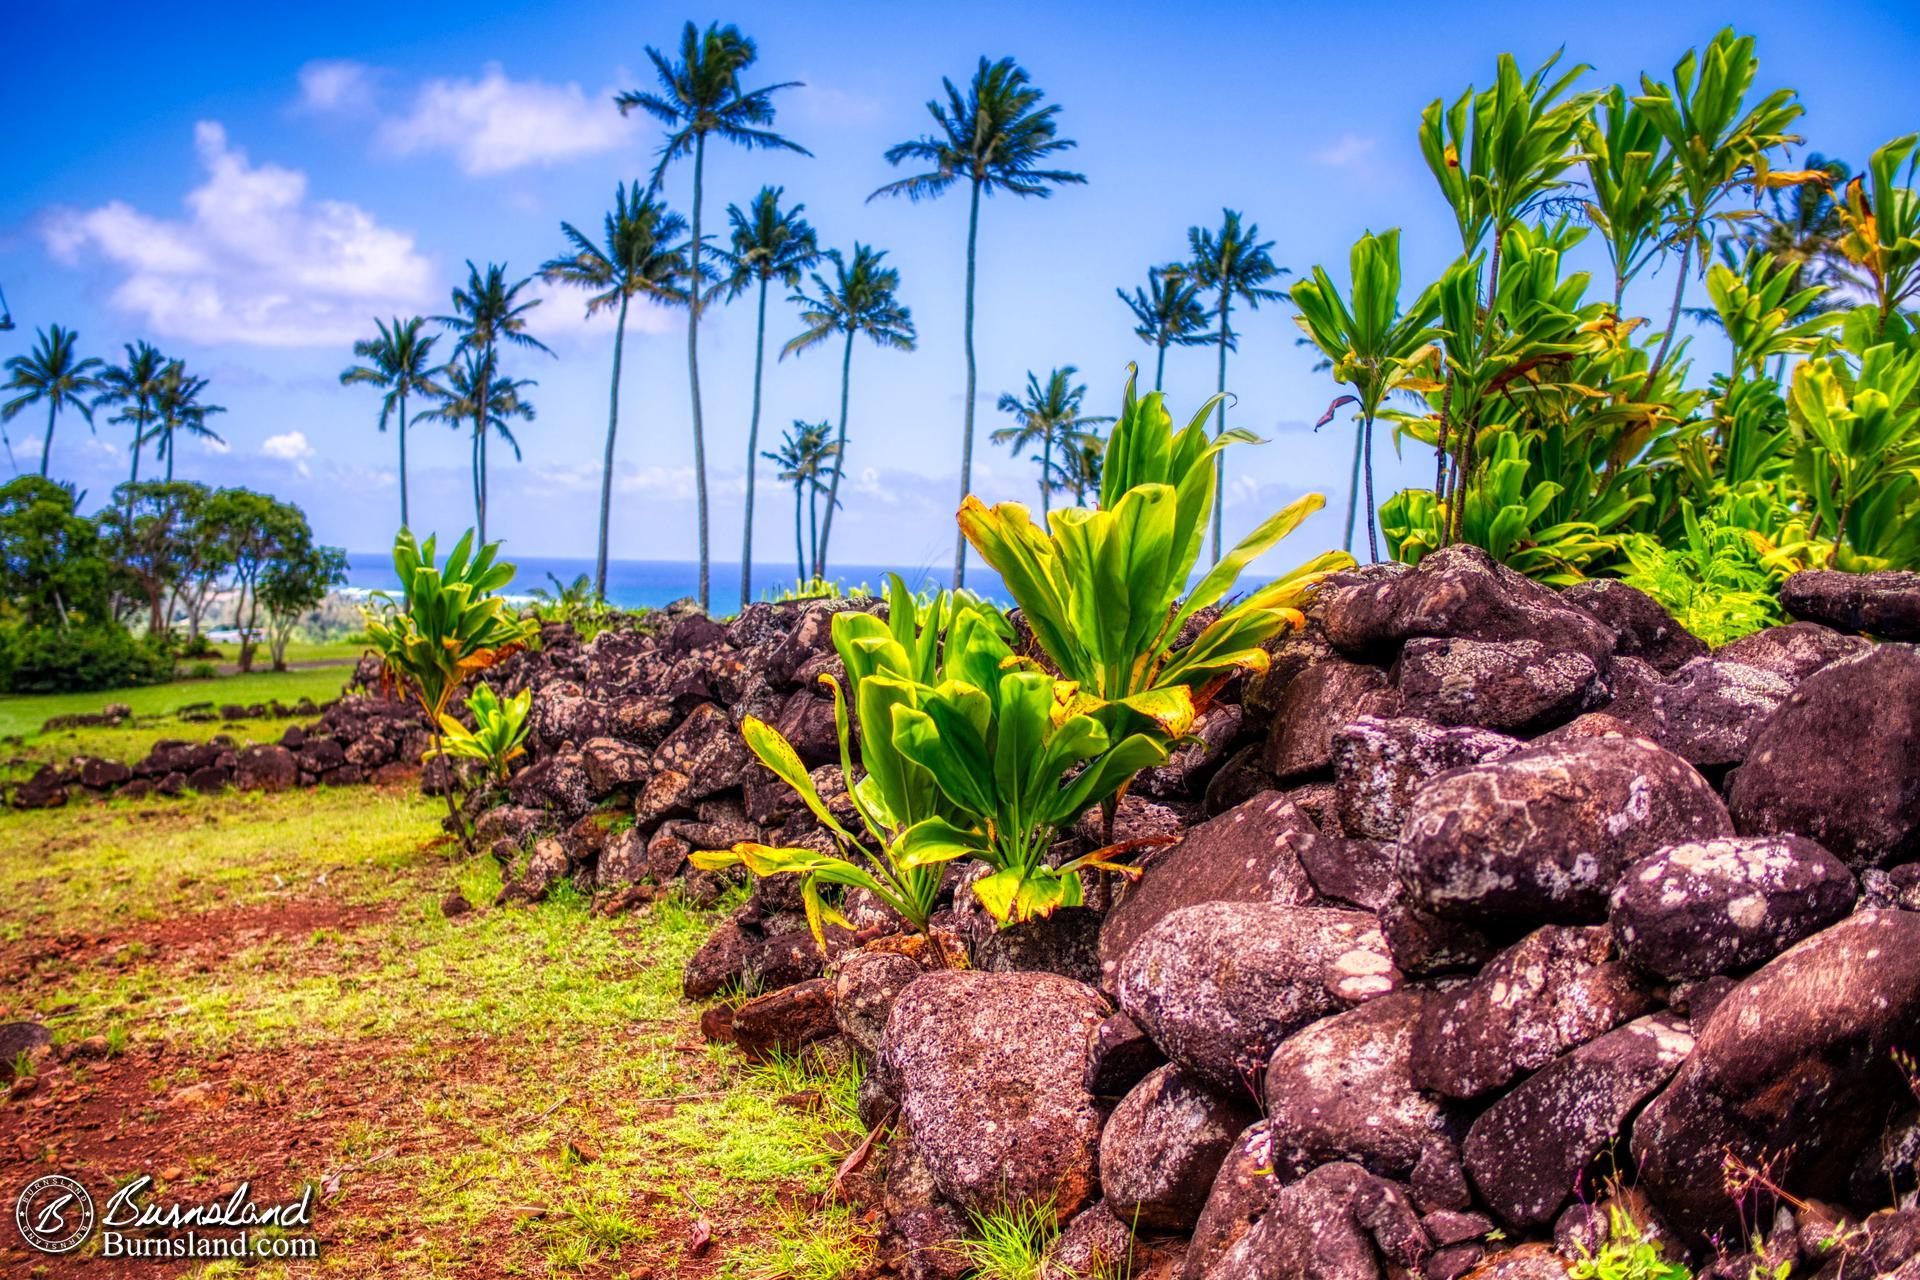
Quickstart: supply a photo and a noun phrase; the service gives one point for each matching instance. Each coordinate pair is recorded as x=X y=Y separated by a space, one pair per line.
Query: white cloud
x=254 y=260
x=1346 y=151
x=336 y=85
x=289 y=447
x=563 y=317
x=493 y=124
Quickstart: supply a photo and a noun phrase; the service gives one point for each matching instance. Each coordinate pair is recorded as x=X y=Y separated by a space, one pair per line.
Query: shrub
x=499 y=732
x=202 y=671
x=78 y=659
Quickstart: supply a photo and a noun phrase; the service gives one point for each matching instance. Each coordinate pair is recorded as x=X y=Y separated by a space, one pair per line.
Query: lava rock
x=1545 y=832
x=1342 y=1089
x=707 y=750
x=1244 y=855
x=1379 y=763
x=1242 y=1193
x=785 y=1021
x=1711 y=709
x=1162 y=1148
x=1219 y=985
x=1884 y=604
x=1794 y=651
x=613 y=765
x=1528 y=1152
x=1552 y=991
x=1458 y=592
x=1120 y=1057
x=1645 y=629
x=1337 y=1223
x=1495 y=684
x=1096 y=1243
x=265 y=767
x=866 y=984
x=991 y=1070
x=923 y=1228
x=1840 y=762
x=1321 y=699
x=1716 y=906
x=1797 y=1055
x=1187 y=770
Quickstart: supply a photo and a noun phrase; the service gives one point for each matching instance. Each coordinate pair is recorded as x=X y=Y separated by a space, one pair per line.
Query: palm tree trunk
x=813 y=530
x=479 y=520
x=1220 y=429
x=1160 y=367
x=483 y=488
x=799 y=543
x=1046 y=475
x=839 y=464
x=46 y=445
x=168 y=441
x=403 y=462
x=753 y=446
x=606 y=466
x=966 y=427
x=1373 y=539
x=693 y=368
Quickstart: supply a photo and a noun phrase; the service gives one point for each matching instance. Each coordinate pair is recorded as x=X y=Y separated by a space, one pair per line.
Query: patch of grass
x=825 y=1244
x=1011 y=1243
x=24 y=713
x=550 y=1108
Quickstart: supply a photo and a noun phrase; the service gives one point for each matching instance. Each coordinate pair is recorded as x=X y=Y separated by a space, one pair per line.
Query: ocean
x=642 y=584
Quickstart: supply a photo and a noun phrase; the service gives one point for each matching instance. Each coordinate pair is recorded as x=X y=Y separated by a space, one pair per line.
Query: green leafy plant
x=449 y=624
x=968 y=752
x=1628 y=1253
x=1010 y=1243
x=1863 y=430
x=1101 y=588
x=499 y=732
x=1716 y=583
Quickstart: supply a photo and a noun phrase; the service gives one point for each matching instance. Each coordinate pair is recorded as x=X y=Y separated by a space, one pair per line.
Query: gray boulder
x=1528 y=1152
x=1495 y=684
x=1552 y=991
x=1645 y=629
x=1716 y=906
x=1711 y=709
x=1884 y=604
x=1218 y=986
x=1378 y=765
x=1798 y=1055
x=1337 y=1223
x=1163 y=1147
x=1321 y=699
x=990 y=1069
x=1840 y=761
x=1544 y=833
x=1794 y=651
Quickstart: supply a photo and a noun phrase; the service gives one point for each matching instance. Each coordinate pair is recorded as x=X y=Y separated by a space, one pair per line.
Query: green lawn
x=516 y=1092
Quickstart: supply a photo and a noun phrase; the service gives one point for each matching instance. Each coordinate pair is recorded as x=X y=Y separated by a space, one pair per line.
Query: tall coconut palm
x=700 y=94
x=806 y=453
x=861 y=298
x=469 y=399
x=1049 y=417
x=637 y=256
x=133 y=386
x=487 y=311
x=400 y=362
x=1230 y=263
x=177 y=410
x=1078 y=471
x=52 y=374
x=1167 y=312
x=1801 y=227
x=769 y=243
x=994 y=138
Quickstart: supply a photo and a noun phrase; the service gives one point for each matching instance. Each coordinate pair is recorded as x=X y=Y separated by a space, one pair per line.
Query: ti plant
x=449 y=624
x=1101 y=588
x=1373 y=345
x=499 y=732
x=968 y=751
x=1881 y=217
x=1764 y=316
x=1863 y=441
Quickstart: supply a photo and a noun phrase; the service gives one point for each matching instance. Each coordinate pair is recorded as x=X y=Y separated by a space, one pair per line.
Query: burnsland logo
x=55 y=1215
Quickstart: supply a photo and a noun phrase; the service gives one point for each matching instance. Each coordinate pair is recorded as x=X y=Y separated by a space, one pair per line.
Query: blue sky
x=246 y=185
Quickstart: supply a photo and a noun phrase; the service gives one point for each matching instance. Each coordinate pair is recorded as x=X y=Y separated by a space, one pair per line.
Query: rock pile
x=1493 y=906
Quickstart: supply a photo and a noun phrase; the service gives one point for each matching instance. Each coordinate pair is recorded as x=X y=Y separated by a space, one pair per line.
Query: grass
x=1011 y=1243
x=546 y=1107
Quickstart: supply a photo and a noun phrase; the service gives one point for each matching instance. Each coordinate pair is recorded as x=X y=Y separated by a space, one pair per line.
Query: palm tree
x=1049 y=417
x=177 y=408
x=1802 y=227
x=486 y=313
x=401 y=364
x=1167 y=313
x=470 y=399
x=805 y=454
x=51 y=375
x=636 y=257
x=995 y=138
x=1232 y=263
x=1079 y=469
x=859 y=300
x=700 y=95
x=769 y=243
x=134 y=385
